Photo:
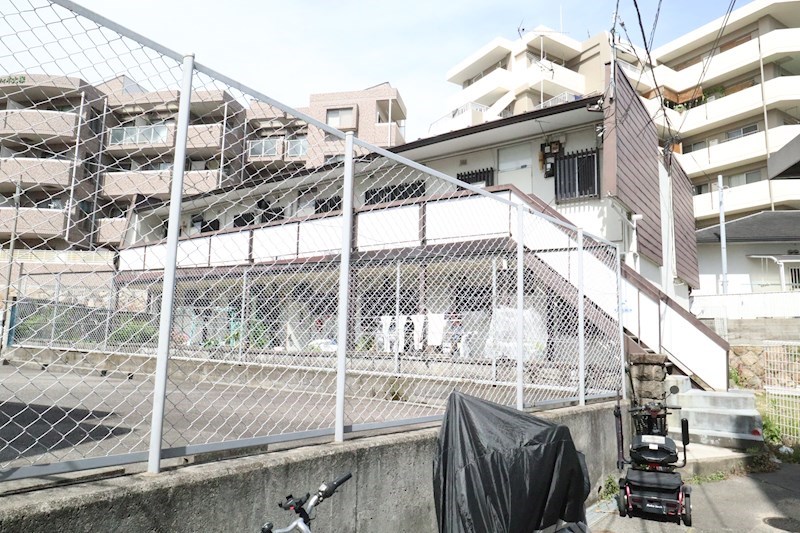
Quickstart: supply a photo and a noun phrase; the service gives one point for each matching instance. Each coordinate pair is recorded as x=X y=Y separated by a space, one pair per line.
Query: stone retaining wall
x=747 y=362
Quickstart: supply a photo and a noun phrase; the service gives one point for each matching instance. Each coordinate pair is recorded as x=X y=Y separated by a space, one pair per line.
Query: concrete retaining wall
x=391 y=489
x=757 y=330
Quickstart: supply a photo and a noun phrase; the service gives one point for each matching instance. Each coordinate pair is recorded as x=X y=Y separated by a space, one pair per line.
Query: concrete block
x=716 y=400
x=648 y=372
x=647 y=359
x=649 y=389
x=738 y=421
x=682 y=382
x=722 y=439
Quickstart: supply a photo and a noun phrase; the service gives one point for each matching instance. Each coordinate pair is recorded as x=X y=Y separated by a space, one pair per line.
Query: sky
x=288 y=49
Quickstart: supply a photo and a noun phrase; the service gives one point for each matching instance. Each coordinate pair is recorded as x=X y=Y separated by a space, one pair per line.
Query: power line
x=671 y=136
x=655 y=23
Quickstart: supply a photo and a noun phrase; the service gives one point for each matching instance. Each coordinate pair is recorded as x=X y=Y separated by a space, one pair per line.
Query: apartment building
x=727 y=105
x=740 y=120
x=540 y=69
x=79 y=162
x=50 y=138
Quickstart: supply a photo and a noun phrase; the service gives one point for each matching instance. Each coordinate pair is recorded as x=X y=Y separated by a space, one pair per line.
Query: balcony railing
x=155 y=134
x=264 y=147
x=562 y=98
x=40 y=123
x=32 y=222
x=36 y=172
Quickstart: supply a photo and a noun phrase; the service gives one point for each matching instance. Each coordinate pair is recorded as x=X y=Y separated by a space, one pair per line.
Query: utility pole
x=723 y=246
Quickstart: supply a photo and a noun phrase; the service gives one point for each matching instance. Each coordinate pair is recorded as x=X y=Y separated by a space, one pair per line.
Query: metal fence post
x=56 y=298
x=581 y=326
x=243 y=315
x=397 y=327
x=520 y=307
x=107 y=330
x=170 y=267
x=344 y=286
x=623 y=388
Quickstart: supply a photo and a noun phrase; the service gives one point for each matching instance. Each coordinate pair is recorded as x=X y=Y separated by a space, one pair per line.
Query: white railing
x=562 y=98
x=155 y=134
x=664 y=327
x=748 y=306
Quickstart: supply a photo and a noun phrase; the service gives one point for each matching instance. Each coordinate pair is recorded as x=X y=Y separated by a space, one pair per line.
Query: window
x=703 y=188
x=394 y=193
x=576 y=175
x=741 y=132
x=245 y=219
x=689 y=148
x=203 y=226
x=481 y=178
x=744 y=178
x=794 y=278
x=515 y=157
x=211 y=225
x=473 y=299
x=271 y=215
x=264 y=147
x=340 y=118
x=332 y=159
x=297 y=147
x=327 y=205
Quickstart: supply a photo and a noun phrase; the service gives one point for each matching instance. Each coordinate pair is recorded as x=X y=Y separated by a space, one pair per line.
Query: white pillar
x=520 y=309
x=170 y=267
x=344 y=286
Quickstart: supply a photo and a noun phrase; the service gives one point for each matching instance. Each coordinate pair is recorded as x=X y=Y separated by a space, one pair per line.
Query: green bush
x=134 y=332
x=772 y=433
x=609 y=489
x=734 y=376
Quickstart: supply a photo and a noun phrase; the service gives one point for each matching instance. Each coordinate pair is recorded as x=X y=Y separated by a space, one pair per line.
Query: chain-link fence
x=191 y=266
x=782 y=386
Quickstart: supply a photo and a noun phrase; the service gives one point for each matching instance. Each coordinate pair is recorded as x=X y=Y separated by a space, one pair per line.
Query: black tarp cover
x=498 y=470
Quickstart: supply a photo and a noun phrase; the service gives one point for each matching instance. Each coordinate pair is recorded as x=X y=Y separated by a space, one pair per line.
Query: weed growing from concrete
x=609 y=488
x=708 y=478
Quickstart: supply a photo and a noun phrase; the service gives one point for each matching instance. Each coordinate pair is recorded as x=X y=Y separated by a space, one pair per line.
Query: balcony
x=156 y=138
x=32 y=223
x=778 y=93
x=749 y=198
x=110 y=231
x=736 y=152
x=39 y=125
x=553 y=78
x=486 y=90
x=208 y=139
x=156 y=183
x=33 y=173
x=388 y=134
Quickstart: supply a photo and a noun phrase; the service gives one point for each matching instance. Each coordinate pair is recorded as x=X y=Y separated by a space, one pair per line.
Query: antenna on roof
x=520 y=28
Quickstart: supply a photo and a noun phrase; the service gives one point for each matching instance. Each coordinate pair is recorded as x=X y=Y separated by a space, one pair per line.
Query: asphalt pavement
x=757 y=503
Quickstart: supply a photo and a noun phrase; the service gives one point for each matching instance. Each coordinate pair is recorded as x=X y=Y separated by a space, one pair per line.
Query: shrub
x=134 y=332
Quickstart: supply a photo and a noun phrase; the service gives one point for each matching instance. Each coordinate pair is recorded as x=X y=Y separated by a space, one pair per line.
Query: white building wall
x=745 y=275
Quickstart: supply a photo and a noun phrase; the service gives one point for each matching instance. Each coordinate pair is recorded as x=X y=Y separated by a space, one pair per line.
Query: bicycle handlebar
x=303 y=506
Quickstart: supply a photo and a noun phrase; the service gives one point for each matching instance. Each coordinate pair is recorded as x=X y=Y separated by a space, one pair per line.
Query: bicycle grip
x=341 y=480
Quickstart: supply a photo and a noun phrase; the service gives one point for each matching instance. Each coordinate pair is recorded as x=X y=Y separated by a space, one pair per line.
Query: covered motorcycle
x=499 y=470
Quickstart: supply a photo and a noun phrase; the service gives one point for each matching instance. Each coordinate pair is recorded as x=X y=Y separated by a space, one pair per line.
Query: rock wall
x=746 y=363
x=648 y=372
